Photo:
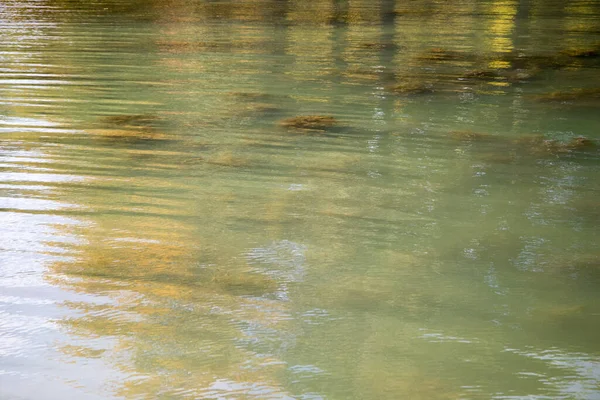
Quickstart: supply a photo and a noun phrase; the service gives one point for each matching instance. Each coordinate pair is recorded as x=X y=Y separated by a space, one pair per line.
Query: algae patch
x=309 y=123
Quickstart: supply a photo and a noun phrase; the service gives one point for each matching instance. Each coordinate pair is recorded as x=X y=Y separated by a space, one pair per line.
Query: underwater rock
x=581 y=143
x=309 y=122
x=538 y=144
x=522 y=74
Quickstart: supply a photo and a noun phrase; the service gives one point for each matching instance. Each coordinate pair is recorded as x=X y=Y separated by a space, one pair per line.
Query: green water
x=166 y=232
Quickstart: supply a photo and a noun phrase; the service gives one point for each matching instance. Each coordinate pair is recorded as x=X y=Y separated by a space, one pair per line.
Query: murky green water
x=167 y=231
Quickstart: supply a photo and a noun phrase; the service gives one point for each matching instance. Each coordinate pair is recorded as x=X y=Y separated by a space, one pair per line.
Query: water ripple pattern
x=277 y=199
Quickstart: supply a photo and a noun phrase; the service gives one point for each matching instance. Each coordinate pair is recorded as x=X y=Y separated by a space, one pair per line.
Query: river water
x=263 y=199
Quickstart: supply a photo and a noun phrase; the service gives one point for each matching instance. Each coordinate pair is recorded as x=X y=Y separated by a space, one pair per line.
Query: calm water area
x=276 y=199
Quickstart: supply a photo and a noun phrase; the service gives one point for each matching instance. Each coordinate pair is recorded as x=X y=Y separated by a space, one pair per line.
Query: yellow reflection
x=178 y=308
x=580 y=22
x=312 y=50
x=313 y=12
x=363 y=11
x=501 y=25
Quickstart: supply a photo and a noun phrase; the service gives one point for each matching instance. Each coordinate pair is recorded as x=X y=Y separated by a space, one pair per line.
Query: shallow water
x=163 y=234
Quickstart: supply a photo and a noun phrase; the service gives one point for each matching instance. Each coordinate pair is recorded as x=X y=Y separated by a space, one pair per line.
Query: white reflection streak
x=584 y=385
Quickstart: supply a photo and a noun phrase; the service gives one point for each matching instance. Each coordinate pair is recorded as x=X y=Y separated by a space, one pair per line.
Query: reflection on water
x=277 y=199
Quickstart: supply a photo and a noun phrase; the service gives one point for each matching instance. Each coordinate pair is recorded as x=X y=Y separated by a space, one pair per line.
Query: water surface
x=166 y=232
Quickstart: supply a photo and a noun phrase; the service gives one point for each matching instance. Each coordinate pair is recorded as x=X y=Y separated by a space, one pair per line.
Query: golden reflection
x=580 y=18
x=501 y=25
x=166 y=291
x=313 y=51
x=363 y=11
x=311 y=12
x=82 y=351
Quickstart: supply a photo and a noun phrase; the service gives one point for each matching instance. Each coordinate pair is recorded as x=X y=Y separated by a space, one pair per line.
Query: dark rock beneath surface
x=538 y=144
x=581 y=143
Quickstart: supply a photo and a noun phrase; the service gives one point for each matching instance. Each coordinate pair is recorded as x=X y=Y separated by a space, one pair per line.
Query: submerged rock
x=310 y=122
x=522 y=74
x=581 y=143
x=538 y=144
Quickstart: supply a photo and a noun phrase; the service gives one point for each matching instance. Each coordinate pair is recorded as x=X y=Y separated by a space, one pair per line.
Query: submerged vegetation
x=129 y=128
x=580 y=96
x=309 y=123
x=539 y=144
x=135 y=120
x=411 y=88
